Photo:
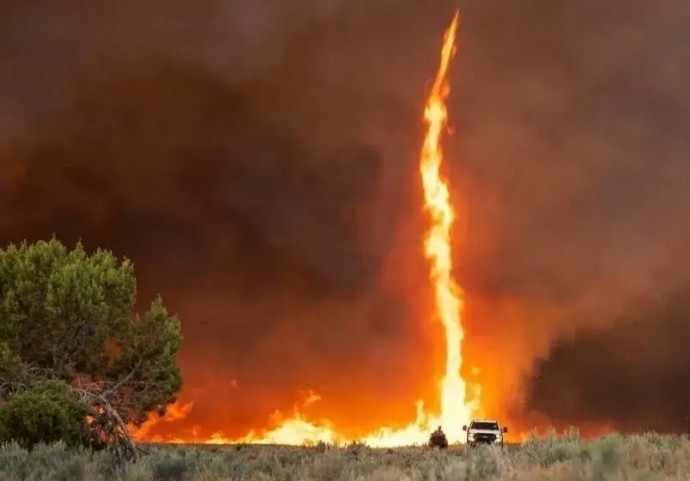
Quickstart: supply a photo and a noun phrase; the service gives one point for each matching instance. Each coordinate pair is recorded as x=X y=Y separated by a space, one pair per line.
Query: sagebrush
x=649 y=457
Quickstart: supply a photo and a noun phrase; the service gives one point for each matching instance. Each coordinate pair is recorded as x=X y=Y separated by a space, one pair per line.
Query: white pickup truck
x=484 y=431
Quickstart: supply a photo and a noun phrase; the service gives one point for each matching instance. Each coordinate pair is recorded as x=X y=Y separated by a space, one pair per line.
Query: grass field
x=636 y=458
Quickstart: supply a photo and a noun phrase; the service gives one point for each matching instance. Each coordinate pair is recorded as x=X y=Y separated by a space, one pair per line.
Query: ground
x=647 y=457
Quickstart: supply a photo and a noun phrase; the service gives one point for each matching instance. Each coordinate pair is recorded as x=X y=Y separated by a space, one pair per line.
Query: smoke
x=257 y=161
x=573 y=125
x=49 y=45
x=228 y=150
x=624 y=375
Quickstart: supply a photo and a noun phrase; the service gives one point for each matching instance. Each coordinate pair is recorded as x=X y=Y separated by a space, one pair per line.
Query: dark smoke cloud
x=257 y=162
x=48 y=45
x=631 y=375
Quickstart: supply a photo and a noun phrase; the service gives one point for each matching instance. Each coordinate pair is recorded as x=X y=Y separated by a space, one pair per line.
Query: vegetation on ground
x=76 y=363
x=649 y=457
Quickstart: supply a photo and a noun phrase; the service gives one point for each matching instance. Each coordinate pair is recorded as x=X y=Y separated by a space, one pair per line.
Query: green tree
x=69 y=316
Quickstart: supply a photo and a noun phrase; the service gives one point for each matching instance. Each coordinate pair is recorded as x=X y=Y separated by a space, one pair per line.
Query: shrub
x=650 y=457
x=45 y=413
x=170 y=469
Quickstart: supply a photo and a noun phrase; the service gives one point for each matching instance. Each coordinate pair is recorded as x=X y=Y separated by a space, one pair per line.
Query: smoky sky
x=618 y=375
x=257 y=162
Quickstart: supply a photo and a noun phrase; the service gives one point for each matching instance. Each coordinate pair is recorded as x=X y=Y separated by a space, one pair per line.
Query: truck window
x=484 y=426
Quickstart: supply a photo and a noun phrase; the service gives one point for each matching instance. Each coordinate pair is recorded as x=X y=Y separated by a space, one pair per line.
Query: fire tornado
x=455 y=409
x=448 y=294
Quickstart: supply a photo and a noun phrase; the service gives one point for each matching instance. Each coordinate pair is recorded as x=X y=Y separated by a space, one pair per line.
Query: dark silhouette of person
x=438 y=439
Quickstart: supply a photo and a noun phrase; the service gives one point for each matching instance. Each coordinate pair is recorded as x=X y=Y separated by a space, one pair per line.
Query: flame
x=455 y=409
x=295 y=429
x=173 y=412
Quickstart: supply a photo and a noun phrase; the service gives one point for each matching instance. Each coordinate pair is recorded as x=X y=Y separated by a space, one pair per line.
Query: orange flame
x=449 y=297
x=455 y=409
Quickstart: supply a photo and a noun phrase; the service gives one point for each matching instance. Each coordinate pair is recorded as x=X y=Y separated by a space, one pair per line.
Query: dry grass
x=647 y=457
